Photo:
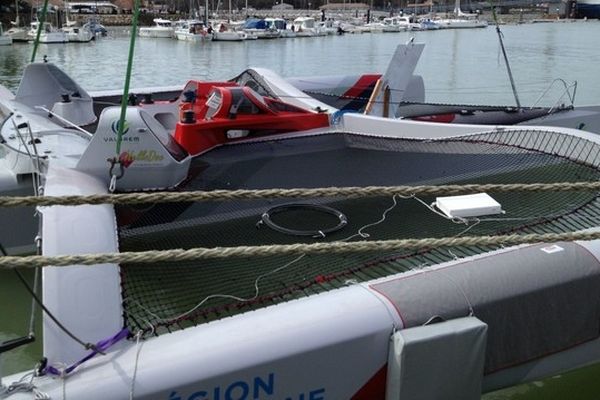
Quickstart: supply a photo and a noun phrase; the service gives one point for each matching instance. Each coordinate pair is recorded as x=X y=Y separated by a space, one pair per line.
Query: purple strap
x=101 y=346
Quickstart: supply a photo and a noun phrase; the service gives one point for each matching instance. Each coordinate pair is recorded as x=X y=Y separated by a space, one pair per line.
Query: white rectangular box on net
x=470 y=205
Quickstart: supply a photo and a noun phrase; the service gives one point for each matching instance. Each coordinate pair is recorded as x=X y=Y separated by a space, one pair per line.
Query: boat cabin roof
x=162 y=22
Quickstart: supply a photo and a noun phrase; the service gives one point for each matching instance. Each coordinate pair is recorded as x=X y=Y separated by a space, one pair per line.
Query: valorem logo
x=115 y=127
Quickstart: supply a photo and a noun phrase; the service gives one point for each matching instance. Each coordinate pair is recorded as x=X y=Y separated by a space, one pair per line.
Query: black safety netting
x=170 y=296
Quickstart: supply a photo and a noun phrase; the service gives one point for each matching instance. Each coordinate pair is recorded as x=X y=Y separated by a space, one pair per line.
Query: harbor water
x=458 y=66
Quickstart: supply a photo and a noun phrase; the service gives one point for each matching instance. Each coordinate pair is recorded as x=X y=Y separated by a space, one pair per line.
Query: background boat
x=162 y=28
x=461 y=20
x=224 y=33
x=81 y=34
x=192 y=31
x=17 y=32
x=49 y=33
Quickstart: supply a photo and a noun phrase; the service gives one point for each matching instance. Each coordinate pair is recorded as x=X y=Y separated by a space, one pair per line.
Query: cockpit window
x=189 y=88
x=240 y=104
x=256 y=97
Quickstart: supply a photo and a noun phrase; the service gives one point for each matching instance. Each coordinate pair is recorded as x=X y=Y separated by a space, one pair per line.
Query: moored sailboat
x=461 y=20
x=17 y=32
x=274 y=314
x=305 y=324
x=48 y=34
x=75 y=33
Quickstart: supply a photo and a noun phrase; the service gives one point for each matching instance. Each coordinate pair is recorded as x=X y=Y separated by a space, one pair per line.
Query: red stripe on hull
x=363 y=83
x=374 y=389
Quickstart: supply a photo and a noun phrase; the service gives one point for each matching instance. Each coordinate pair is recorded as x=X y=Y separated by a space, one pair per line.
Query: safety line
x=178 y=255
x=242 y=194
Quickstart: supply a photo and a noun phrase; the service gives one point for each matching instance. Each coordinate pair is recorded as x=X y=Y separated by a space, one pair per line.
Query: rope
x=100 y=347
x=138 y=346
x=347 y=192
x=177 y=255
x=25 y=384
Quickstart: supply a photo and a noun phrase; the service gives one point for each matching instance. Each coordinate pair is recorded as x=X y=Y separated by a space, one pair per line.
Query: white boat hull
x=305 y=33
x=79 y=35
x=393 y=28
x=461 y=24
x=287 y=33
x=263 y=33
x=51 y=37
x=229 y=36
x=18 y=34
x=154 y=32
x=193 y=37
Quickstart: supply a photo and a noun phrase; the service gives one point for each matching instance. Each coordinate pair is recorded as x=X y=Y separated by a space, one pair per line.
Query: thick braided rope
x=176 y=255
x=348 y=192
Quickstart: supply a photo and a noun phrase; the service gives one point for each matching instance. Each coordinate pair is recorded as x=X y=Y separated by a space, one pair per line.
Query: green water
x=582 y=384
x=15 y=309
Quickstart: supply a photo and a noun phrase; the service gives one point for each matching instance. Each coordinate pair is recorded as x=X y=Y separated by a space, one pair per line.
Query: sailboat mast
x=229 y=11
x=17 y=12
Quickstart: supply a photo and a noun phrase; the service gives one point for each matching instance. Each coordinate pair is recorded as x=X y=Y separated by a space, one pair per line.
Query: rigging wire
x=510 y=75
x=87 y=346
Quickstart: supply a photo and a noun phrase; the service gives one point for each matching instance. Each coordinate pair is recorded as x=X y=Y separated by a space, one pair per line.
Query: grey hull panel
x=536 y=300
